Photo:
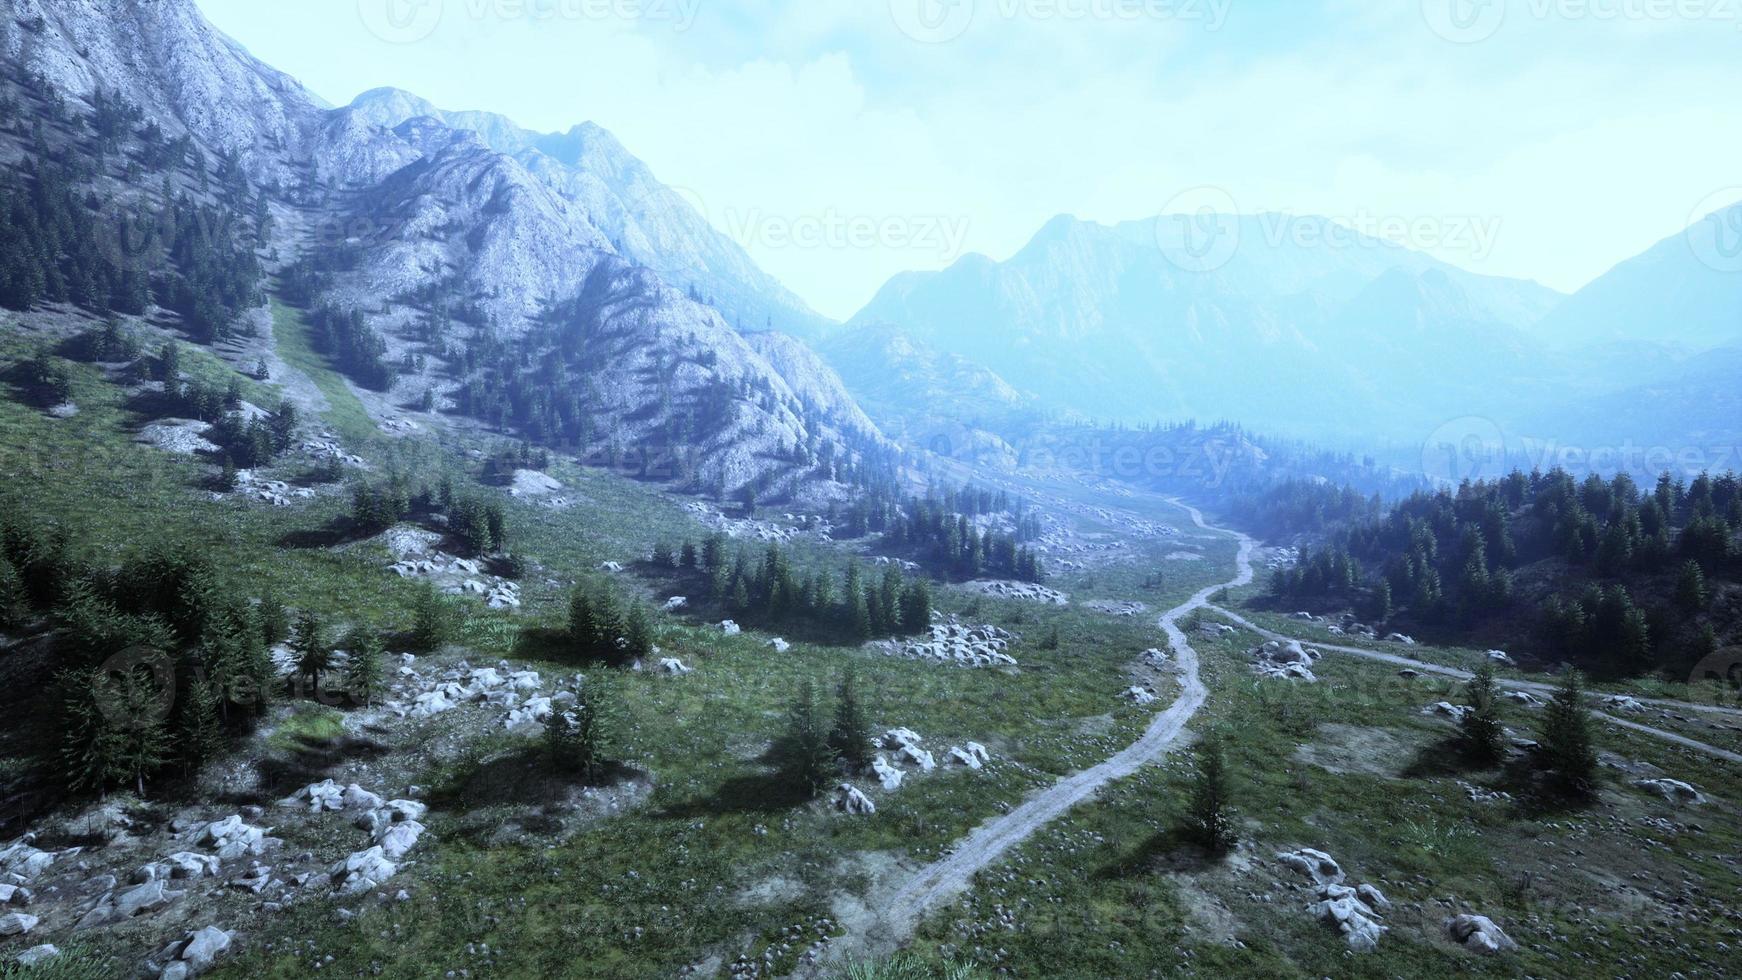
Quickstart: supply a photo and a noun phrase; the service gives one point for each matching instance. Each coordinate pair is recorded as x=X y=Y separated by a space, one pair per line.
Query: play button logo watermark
x=400 y=21
x=1723 y=667
x=1464 y=21
x=932 y=21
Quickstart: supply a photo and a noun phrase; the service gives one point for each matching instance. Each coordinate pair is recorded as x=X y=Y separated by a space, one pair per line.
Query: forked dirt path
x=944 y=879
x=1532 y=686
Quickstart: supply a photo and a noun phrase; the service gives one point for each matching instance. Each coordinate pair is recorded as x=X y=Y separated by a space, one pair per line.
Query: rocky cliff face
x=471 y=207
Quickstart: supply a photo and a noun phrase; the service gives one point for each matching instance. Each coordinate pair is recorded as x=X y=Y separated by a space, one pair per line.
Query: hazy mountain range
x=1296 y=326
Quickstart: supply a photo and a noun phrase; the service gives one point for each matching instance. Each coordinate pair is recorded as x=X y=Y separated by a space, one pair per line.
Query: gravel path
x=951 y=875
x=1533 y=686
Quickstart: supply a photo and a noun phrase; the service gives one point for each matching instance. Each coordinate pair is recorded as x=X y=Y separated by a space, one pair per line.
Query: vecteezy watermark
x=940 y=21
x=1202 y=229
x=941 y=235
x=135 y=689
x=1199 y=229
x=1473 y=21
x=1469 y=448
x=1714 y=232
x=1722 y=667
x=410 y=21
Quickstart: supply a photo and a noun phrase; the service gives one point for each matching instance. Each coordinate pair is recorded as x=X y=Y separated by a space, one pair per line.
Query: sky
x=844 y=141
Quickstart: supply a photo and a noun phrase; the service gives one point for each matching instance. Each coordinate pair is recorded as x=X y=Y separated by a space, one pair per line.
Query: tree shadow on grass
x=309 y=761
x=1440 y=759
x=556 y=646
x=523 y=777
x=1172 y=850
x=761 y=792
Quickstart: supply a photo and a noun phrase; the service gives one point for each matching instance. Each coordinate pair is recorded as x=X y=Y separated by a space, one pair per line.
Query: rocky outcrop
x=1479 y=934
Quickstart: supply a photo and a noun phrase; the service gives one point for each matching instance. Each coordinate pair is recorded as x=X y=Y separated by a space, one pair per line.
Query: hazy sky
x=842 y=141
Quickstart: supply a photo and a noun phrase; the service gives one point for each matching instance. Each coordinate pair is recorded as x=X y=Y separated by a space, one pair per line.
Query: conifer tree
x=364 y=676
x=1483 y=735
x=1690 y=590
x=637 y=633
x=1568 y=753
x=806 y=760
x=851 y=735
x=199 y=731
x=1209 y=815
x=313 y=656
x=432 y=620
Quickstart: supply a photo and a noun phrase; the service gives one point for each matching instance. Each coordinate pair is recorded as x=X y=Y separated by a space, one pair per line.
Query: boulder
x=1478 y=933
x=614 y=567
x=973 y=755
x=675 y=603
x=38 y=955
x=1621 y=702
x=232 y=839
x=191 y=866
x=200 y=950
x=23 y=859
x=730 y=628
x=322 y=797
x=1373 y=897
x=17 y=896
x=1448 y=711
x=674 y=666
x=358 y=798
x=397 y=839
x=1342 y=907
x=141 y=899
x=779 y=645
x=917 y=756
x=1141 y=697
x=1317 y=865
x=887 y=774
x=1500 y=658
x=1673 y=790
x=1525 y=698
x=849 y=800
x=362 y=871
x=899 y=738
x=17 y=923
x=1407 y=641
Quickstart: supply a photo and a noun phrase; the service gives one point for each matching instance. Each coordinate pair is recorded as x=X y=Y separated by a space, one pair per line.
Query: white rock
x=17 y=923
x=1479 y=933
x=963 y=757
x=1501 y=658
x=613 y=567
x=201 y=949
x=363 y=871
x=917 y=756
x=397 y=839
x=887 y=774
x=1139 y=696
x=37 y=955
x=1673 y=790
x=358 y=798
x=1621 y=702
x=779 y=645
x=1357 y=922
x=899 y=738
x=675 y=603
x=673 y=665
x=1373 y=897
x=1317 y=865
x=730 y=628
x=848 y=799
x=1447 y=710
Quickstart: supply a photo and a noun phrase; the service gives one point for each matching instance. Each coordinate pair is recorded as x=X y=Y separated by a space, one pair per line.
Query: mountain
x=1124 y=322
x=467 y=276
x=645 y=220
x=1684 y=291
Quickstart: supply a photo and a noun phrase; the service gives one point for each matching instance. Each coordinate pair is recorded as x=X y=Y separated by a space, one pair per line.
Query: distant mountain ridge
x=1114 y=321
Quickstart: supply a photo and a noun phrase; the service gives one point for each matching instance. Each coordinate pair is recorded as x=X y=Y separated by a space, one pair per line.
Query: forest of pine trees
x=940 y=532
x=60 y=243
x=1620 y=575
x=764 y=588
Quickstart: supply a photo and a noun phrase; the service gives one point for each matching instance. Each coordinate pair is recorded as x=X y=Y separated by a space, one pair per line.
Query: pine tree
x=806 y=759
x=13 y=606
x=1210 y=821
x=916 y=608
x=199 y=732
x=432 y=620
x=313 y=656
x=1690 y=590
x=1568 y=753
x=1483 y=735
x=227 y=475
x=576 y=740
x=274 y=621
x=114 y=730
x=364 y=674
x=851 y=736
x=637 y=633
x=583 y=622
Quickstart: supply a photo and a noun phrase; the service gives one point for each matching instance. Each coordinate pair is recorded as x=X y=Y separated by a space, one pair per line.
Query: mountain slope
x=437 y=252
x=1684 y=291
x=645 y=220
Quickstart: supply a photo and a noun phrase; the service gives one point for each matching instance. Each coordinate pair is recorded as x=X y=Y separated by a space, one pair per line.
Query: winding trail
x=951 y=875
x=1533 y=686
